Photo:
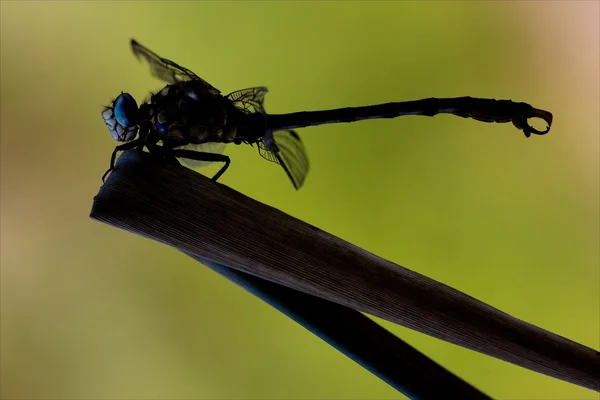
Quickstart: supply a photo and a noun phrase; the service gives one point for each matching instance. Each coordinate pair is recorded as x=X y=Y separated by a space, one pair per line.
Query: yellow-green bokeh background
x=92 y=312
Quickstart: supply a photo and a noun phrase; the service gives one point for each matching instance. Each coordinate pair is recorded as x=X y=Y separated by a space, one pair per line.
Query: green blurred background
x=92 y=312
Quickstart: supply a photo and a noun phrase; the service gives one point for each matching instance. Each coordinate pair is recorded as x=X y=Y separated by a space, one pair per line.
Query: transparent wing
x=250 y=100
x=167 y=70
x=287 y=150
x=209 y=147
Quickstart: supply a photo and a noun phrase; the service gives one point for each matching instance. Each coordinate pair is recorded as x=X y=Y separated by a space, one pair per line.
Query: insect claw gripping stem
x=126 y=146
x=527 y=129
x=112 y=164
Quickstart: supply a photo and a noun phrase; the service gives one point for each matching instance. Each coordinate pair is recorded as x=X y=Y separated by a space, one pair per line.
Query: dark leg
x=123 y=147
x=201 y=156
x=165 y=151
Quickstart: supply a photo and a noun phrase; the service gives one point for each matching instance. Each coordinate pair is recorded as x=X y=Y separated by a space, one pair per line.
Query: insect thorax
x=183 y=112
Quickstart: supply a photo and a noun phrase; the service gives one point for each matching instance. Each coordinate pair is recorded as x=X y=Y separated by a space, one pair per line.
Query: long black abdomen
x=486 y=110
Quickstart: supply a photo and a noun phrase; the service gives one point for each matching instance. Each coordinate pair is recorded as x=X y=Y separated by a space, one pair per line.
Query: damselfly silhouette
x=193 y=121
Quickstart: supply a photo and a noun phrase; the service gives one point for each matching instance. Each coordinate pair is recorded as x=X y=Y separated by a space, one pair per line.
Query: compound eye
x=118 y=131
x=126 y=110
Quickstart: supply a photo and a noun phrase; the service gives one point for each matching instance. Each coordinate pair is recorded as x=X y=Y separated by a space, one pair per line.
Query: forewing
x=209 y=147
x=167 y=70
x=250 y=100
x=288 y=152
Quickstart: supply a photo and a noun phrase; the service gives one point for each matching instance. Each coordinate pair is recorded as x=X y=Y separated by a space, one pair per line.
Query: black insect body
x=191 y=120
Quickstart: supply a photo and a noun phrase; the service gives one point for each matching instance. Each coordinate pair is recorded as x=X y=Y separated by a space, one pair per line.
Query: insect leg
x=164 y=151
x=202 y=156
x=123 y=147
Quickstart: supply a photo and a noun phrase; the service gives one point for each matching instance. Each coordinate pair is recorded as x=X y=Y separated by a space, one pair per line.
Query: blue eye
x=126 y=110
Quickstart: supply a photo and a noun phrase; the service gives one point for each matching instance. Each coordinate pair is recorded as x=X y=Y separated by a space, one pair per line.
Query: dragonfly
x=190 y=120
